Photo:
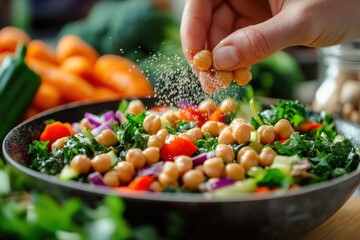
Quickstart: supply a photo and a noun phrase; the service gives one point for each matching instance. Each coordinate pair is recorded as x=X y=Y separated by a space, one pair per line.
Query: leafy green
x=275 y=177
x=292 y=110
x=42 y=160
x=207 y=144
x=131 y=134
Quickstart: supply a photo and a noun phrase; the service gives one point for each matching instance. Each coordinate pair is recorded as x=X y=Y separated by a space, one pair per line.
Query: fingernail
x=226 y=58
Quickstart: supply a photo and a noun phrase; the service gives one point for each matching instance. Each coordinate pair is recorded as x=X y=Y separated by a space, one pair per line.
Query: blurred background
x=139 y=29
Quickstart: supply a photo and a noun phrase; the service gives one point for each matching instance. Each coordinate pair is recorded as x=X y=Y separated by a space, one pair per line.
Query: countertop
x=343 y=225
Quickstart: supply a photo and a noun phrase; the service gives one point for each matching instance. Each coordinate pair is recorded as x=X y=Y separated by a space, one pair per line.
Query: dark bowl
x=288 y=215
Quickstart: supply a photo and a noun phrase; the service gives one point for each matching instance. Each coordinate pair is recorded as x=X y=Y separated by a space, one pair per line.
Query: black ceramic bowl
x=271 y=216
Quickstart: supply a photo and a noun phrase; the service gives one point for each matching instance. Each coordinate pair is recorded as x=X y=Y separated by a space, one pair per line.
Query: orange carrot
x=40 y=50
x=104 y=93
x=46 y=97
x=218 y=115
x=79 y=65
x=56 y=130
x=122 y=75
x=262 y=189
x=72 y=45
x=10 y=37
x=70 y=86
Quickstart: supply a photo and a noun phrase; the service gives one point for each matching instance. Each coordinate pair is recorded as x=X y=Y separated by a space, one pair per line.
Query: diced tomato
x=56 y=130
x=176 y=146
x=308 y=126
x=141 y=183
x=217 y=115
x=283 y=140
x=262 y=189
x=159 y=109
x=192 y=114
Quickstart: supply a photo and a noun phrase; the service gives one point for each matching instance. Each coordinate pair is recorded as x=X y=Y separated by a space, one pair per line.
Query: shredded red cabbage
x=201 y=158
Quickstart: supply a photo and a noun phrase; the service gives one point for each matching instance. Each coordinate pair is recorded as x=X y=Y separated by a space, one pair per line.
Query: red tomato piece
x=176 y=146
x=192 y=114
x=54 y=131
x=141 y=183
x=308 y=126
x=217 y=115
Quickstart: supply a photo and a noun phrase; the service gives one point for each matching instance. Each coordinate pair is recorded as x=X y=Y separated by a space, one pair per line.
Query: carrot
x=56 y=130
x=141 y=183
x=72 y=45
x=104 y=93
x=70 y=86
x=122 y=75
x=40 y=50
x=10 y=37
x=218 y=115
x=79 y=65
x=46 y=97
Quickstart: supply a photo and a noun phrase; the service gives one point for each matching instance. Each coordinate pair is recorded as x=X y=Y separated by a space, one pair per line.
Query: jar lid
x=347 y=51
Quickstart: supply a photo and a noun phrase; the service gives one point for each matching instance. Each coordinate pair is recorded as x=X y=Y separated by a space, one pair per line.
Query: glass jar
x=339 y=76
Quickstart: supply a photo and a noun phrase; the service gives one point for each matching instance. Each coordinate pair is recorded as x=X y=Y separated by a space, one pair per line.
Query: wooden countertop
x=343 y=225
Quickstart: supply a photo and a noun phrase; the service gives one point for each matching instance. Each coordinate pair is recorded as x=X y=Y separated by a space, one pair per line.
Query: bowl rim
x=161 y=197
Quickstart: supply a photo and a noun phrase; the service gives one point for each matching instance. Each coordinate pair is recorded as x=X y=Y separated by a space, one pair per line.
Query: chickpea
x=242 y=151
x=266 y=134
x=228 y=106
x=59 y=143
x=151 y=154
x=125 y=171
x=207 y=106
x=211 y=127
x=187 y=137
x=267 y=156
x=226 y=137
x=136 y=107
x=213 y=167
x=249 y=159
x=107 y=138
x=111 y=179
x=166 y=180
x=235 y=171
x=225 y=77
x=221 y=126
x=170 y=169
x=155 y=186
x=136 y=157
x=163 y=133
x=81 y=164
x=171 y=116
x=192 y=179
x=155 y=141
x=283 y=128
x=199 y=167
x=196 y=133
x=242 y=133
x=203 y=60
x=242 y=76
x=101 y=163
x=84 y=123
x=225 y=152
x=152 y=124
x=236 y=122
x=183 y=164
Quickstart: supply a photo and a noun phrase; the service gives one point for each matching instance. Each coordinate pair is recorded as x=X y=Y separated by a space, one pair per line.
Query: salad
x=201 y=149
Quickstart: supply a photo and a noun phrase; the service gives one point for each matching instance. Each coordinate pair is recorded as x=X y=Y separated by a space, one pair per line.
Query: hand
x=243 y=32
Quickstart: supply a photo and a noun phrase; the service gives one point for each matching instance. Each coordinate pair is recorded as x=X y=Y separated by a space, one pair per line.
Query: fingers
x=254 y=43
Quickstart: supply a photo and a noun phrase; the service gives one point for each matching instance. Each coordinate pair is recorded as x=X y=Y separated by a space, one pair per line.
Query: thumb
x=252 y=44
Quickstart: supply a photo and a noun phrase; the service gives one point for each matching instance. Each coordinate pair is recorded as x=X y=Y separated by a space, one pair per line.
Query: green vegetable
x=18 y=85
x=293 y=111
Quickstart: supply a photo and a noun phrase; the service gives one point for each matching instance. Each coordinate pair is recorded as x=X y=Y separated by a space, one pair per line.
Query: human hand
x=243 y=32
